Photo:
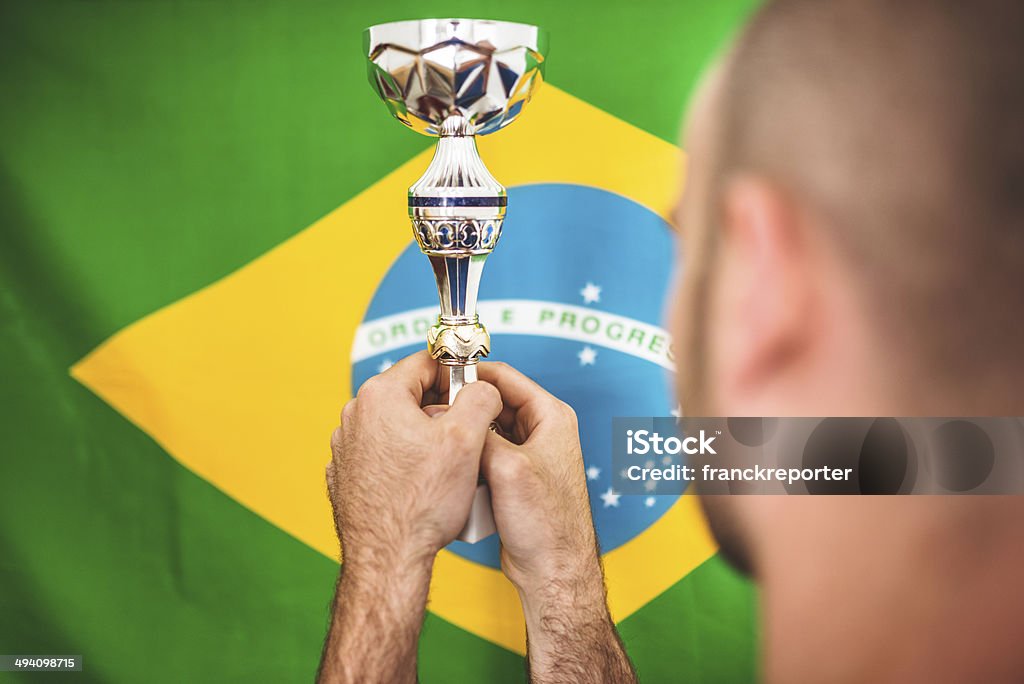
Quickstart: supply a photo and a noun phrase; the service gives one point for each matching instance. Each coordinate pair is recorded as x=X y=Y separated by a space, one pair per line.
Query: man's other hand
x=548 y=546
x=538 y=485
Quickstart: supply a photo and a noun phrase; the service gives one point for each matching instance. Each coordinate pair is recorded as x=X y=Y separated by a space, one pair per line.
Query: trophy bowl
x=428 y=70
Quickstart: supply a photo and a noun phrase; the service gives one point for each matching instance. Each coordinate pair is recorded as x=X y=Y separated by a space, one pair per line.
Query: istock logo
x=644 y=442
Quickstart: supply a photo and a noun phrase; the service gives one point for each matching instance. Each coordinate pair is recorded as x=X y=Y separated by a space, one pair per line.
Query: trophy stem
x=480 y=523
x=459 y=377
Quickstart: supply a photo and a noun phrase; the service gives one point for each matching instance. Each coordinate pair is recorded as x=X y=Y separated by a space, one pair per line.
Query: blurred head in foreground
x=853 y=226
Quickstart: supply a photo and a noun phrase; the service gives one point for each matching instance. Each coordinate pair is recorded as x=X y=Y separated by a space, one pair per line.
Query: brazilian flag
x=205 y=252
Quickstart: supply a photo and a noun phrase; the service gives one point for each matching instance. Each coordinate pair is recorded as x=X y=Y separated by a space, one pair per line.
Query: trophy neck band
x=493 y=201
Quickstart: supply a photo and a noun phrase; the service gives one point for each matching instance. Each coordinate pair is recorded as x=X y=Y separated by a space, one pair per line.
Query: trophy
x=456 y=79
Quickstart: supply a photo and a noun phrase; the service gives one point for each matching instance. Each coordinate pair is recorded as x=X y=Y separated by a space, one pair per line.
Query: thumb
x=475 y=407
x=435 y=410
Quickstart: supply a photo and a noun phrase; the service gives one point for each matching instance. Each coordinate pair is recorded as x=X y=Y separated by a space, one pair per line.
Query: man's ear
x=767 y=292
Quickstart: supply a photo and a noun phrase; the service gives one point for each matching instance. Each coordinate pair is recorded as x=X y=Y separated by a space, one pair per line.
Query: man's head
x=853 y=219
x=853 y=231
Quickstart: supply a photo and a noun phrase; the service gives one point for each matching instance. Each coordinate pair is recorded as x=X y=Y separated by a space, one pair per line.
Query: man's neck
x=907 y=589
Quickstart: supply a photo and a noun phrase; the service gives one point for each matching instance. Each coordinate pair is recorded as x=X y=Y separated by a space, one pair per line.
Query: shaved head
x=853 y=222
x=900 y=125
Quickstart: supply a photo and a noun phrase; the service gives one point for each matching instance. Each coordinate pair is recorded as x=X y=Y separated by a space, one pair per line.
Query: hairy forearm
x=571 y=636
x=375 y=623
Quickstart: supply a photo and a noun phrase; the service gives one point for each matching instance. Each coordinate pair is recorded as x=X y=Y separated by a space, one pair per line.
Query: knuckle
x=509 y=467
x=457 y=437
x=565 y=411
x=370 y=389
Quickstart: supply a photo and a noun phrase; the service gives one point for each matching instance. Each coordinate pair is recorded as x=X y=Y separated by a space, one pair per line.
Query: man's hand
x=402 y=479
x=401 y=482
x=549 y=549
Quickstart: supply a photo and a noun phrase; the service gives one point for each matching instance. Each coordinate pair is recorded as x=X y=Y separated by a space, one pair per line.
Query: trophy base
x=480 y=524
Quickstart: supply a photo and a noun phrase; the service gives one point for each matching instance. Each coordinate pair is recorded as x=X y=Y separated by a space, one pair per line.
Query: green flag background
x=148 y=149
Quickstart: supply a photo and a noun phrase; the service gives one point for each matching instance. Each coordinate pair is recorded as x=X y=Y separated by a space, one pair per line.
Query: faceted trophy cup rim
x=518 y=34
x=422 y=36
